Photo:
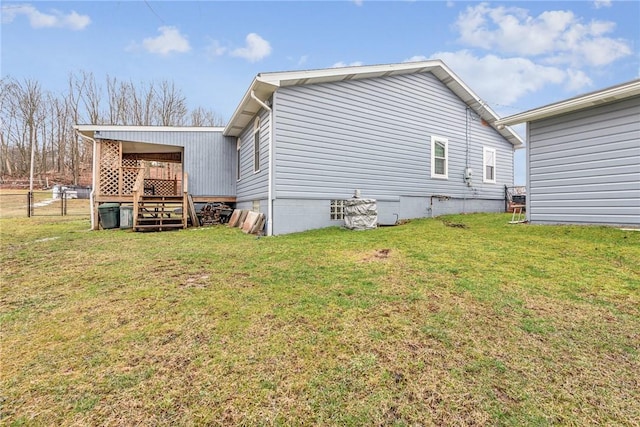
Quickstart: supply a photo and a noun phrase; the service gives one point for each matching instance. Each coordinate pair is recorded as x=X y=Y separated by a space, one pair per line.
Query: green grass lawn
x=427 y=323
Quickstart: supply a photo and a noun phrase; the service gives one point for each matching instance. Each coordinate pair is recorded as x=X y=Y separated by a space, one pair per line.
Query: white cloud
x=451 y=3
x=256 y=48
x=358 y=2
x=37 y=19
x=506 y=80
x=170 y=40
x=602 y=3
x=216 y=49
x=341 y=64
x=303 y=60
x=559 y=36
x=416 y=58
x=577 y=80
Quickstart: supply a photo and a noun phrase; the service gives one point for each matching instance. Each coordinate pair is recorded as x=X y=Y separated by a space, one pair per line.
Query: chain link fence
x=20 y=203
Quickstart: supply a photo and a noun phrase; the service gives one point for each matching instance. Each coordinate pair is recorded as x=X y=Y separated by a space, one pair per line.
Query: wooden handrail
x=138 y=190
x=185 y=198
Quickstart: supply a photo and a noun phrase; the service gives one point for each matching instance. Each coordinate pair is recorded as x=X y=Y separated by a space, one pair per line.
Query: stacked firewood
x=215 y=213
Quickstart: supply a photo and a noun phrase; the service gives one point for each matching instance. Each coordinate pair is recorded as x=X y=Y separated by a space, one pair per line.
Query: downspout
x=270 y=174
x=93 y=179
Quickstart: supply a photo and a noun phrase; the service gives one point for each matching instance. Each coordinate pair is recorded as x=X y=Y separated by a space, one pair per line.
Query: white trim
x=92 y=213
x=118 y=128
x=604 y=96
x=486 y=150
x=444 y=141
x=239 y=159
x=256 y=144
x=270 y=180
x=527 y=133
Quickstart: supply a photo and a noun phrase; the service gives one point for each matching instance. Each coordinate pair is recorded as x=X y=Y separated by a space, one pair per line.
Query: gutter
x=93 y=179
x=270 y=174
x=592 y=99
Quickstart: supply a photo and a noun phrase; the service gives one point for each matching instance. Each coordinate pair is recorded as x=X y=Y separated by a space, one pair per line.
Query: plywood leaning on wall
x=248 y=221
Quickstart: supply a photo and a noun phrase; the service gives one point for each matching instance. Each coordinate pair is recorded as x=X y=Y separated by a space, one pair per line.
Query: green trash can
x=126 y=216
x=109 y=214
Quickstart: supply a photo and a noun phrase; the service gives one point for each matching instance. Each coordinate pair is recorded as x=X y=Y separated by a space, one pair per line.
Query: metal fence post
x=506 y=199
x=29 y=197
x=62 y=203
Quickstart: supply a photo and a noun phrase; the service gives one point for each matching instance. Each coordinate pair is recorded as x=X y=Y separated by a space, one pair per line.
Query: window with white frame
x=337 y=210
x=489 y=165
x=238 y=145
x=256 y=145
x=439 y=157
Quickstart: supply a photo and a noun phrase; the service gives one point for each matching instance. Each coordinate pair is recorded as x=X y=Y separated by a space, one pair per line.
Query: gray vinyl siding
x=585 y=166
x=254 y=185
x=208 y=157
x=375 y=135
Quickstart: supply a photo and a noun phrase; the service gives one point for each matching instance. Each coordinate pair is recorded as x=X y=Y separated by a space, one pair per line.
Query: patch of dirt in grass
x=376 y=255
x=198 y=281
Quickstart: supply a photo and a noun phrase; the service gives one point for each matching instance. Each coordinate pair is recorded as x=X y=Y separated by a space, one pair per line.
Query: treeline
x=36 y=120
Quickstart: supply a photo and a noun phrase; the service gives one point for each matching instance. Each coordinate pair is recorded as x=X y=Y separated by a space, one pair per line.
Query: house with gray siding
x=583 y=158
x=412 y=136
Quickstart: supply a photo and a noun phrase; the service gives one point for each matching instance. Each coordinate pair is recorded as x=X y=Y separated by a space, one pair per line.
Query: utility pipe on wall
x=270 y=174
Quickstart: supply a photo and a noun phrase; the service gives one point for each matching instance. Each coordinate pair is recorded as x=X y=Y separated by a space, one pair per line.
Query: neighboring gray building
x=583 y=158
x=412 y=136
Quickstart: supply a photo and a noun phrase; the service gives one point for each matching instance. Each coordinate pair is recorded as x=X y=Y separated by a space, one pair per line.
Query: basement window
x=439 y=157
x=256 y=145
x=337 y=210
x=489 y=165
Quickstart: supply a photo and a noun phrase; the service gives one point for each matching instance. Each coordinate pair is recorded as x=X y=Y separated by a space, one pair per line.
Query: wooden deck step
x=162 y=199
x=159 y=213
x=164 y=227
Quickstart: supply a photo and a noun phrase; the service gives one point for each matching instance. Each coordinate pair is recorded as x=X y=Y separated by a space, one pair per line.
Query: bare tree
x=202 y=117
x=28 y=97
x=91 y=98
x=118 y=94
x=142 y=101
x=35 y=121
x=171 y=105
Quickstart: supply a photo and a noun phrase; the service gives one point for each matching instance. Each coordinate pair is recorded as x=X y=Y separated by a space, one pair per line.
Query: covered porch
x=174 y=167
x=148 y=177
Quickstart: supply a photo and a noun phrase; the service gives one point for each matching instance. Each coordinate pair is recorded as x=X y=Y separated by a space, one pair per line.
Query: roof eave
x=248 y=106
x=90 y=129
x=604 y=96
x=267 y=83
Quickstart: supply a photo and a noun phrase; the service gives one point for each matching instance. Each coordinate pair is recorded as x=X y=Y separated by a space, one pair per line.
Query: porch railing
x=138 y=190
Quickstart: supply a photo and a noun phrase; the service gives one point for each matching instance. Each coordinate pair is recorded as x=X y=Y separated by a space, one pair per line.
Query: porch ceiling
x=144 y=147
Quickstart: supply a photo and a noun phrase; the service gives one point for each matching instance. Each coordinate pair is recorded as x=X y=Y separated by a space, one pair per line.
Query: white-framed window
x=238 y=145
x=489 y=165
x=256 y=145
x=439 y=157
x=337 y=210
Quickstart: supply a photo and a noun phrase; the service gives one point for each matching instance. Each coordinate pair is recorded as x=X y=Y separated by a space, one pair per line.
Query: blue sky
x=514 y=55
